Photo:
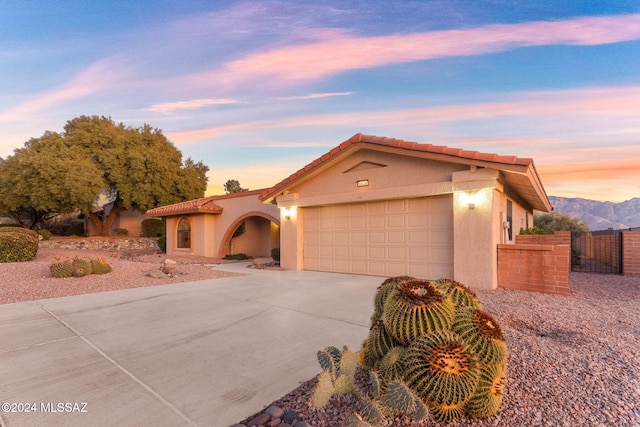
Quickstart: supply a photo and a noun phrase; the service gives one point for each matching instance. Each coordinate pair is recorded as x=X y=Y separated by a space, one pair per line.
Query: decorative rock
x=290 y=417
x=156 y=274
x=274 y=411
x=168 y=269
x=275 y=422
x=170 y=261
x=260 y=419
x=303 y=424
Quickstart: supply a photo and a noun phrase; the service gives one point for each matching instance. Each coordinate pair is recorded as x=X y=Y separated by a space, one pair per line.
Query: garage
x=411 y=236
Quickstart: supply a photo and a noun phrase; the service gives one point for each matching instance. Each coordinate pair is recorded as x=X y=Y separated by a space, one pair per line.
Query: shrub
x=12 y=229
x=18 y=246
x=46 y=234
x=275 y=254
x=534 y=230
x=120 y=232
x=152 y=228
x=238 y=257
x=162 y=244
x=68 y=227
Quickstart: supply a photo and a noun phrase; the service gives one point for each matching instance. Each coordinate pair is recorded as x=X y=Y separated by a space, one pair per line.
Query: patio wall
x=631 y=253
x=539 y=263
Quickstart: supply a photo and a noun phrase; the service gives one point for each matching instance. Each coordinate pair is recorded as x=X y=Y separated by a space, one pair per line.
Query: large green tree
x=135 y=168
x=556 y=221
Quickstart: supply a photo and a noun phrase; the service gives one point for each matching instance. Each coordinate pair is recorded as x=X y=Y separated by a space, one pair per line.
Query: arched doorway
x=261 y=234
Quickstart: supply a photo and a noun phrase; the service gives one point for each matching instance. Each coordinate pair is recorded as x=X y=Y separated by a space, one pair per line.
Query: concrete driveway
x=205 y=353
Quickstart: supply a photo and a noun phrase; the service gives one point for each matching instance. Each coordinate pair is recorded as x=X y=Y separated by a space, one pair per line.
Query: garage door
x=389 y=238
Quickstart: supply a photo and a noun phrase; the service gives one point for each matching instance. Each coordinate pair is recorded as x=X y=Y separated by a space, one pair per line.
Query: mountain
x=600 y=215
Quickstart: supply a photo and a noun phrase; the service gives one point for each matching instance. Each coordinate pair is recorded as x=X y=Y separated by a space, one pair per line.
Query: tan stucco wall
x=209 y=231
x=248 y=244
x=477 y=231
x=402 y=177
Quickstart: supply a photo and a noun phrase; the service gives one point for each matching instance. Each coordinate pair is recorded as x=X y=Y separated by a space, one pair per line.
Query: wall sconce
x=287 y=213
x=362 y=183
x=471 y=199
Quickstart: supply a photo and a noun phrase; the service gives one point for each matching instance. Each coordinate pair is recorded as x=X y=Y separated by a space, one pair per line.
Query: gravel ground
x=573 y=360
x=28 y=281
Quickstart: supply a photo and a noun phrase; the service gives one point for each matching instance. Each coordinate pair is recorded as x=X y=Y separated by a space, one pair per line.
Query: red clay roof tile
x=391 y=142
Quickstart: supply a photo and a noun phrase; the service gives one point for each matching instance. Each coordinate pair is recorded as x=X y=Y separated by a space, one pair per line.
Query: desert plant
x=237 y=257
x=120 y=232
x=431 y=352
x=18 y=245
x=83 y=265
x=338 y=374
x=46 y=234
x=61 y=267
x=12 y=229
x=100 y=266
x=414 y=308
x=162 y=244
x=275 y=254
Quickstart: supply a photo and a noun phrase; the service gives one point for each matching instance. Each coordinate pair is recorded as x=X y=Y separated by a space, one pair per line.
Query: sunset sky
x=257 y=89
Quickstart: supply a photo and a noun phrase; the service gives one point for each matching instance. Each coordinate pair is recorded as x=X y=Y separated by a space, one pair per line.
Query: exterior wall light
x=471 y=199
x=287 y=213
x=362 y=183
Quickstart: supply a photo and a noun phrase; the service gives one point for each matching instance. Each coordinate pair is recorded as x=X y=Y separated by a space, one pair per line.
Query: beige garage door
x=391 y=238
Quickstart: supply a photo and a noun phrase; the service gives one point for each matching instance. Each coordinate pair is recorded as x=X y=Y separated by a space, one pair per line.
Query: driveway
x=205 y=353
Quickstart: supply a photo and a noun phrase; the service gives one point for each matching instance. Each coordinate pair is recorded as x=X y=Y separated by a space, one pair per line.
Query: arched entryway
x=261 y=234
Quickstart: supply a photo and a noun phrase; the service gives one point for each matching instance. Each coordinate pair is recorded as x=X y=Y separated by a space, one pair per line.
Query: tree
x=233 y=186
x=556 y=221
x=135 y=168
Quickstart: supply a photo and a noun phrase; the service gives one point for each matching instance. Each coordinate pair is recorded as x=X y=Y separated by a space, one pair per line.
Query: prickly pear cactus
x=61 y=267
x=431 y=352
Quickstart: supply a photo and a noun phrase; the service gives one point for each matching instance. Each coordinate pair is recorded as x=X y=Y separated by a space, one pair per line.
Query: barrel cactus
x=414 y=308
x=431 y=352
x=78 y=267
x=61 y=267
x=82 y=265
x=100 y=266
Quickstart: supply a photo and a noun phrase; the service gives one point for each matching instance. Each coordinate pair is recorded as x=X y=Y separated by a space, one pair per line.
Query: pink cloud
x=568 y=108
x=96 y=78
x=189 y=105
x=341 y=52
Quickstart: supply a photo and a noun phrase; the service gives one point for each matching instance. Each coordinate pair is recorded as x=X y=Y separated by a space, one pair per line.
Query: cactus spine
x=79 y=267
x=61 y=267
x=431 y=352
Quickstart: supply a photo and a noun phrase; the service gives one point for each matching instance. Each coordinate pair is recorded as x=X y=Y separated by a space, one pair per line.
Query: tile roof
x=455 y=154
x=202 y=205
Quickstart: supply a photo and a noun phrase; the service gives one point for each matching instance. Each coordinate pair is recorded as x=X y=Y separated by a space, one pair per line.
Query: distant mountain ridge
x=600 y=215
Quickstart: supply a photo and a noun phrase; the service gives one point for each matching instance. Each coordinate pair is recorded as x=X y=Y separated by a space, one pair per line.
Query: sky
x=258 y=89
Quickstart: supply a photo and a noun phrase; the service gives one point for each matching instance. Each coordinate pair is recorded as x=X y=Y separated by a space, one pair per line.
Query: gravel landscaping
x=573 y=360
x=134 y=263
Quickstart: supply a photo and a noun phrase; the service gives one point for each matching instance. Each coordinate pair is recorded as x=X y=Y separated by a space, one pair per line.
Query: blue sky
x=257 y=89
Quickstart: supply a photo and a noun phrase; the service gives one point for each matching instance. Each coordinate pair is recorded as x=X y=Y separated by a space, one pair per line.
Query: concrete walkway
x=203 y=353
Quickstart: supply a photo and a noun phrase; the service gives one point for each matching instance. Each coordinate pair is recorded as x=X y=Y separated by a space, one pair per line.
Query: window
x=510 y=219
x=183 y=238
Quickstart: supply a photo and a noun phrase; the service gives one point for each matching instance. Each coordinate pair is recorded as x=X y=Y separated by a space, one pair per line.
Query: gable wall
x=403 y=176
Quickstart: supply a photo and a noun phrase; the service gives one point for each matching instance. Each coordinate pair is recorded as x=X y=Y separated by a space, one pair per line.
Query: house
x=387 y=207
x=206 y=226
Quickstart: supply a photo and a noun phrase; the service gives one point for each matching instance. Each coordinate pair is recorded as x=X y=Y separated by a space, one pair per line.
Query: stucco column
x=291 y=235
x=475 y=227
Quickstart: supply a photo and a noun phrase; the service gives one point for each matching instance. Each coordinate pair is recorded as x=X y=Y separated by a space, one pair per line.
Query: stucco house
x=386 y=207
